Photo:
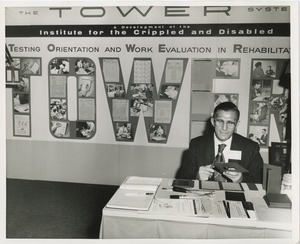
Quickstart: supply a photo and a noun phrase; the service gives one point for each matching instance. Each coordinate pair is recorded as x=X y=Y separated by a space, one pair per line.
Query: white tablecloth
x=124 y=224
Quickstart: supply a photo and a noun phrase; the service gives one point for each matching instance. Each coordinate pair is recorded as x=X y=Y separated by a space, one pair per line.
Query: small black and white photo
x=259 y=113
x=84 y=67
x=58 y=109
x=158 y=132
x=143 y=106
x=114 y=90
x=260 y=90
x=30 y=66
x=264 y=69
x=86 y=86
x=21 y=102
x=169 y=91
x=142 y=91
x=59 y=66
x=123 y=131
x=85 y=129
x=225 y=97
x=60 y=128
x=24 y=85
x=228 y=68
x=259 y=134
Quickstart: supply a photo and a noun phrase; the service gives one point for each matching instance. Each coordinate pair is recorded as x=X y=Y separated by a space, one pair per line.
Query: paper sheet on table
x=149 y=188
x=141 y=183
x=200 y=207
x=218 y=210
x=211 y=185
x=271 y=214
x=237 y=210
x=232 y=186
x=173 y=207
x=131 y=199
x=143 y=180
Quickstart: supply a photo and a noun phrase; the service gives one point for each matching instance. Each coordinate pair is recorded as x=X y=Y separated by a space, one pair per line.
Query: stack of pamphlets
x=136 y=193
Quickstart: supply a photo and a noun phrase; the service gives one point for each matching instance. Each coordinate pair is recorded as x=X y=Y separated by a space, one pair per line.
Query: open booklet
x=135 y=193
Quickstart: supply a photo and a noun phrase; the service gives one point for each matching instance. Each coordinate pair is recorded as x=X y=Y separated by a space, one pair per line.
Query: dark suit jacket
x=201 y=153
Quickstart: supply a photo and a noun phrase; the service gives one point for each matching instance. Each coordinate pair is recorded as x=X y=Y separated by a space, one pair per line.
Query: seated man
x=203 y=150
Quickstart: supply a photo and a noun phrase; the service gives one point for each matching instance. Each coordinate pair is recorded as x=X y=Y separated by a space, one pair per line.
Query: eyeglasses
x=220 y=123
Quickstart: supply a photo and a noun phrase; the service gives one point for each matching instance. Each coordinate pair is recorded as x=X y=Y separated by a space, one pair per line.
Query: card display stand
x=79 y=74
x=18 y=77
x=267 y=99
x=157 y=105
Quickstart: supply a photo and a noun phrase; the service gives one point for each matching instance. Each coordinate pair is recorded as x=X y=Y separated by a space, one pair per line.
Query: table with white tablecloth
x=123 y=223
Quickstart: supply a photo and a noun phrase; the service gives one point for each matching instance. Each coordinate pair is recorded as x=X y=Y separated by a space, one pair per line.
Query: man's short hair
x=227 y=106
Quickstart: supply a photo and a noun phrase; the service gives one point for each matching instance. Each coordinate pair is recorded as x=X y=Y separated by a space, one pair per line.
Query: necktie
x=220 y=156
x=219 y=159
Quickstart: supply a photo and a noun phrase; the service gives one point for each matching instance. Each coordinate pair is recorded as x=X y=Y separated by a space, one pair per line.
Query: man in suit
x=263 y=138
x=203 y=150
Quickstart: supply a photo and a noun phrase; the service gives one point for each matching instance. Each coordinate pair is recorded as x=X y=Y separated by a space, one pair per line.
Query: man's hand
x=205 y=172
x=233 y=175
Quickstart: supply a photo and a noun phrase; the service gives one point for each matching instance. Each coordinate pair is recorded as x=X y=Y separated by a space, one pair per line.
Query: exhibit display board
x=124 y=74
